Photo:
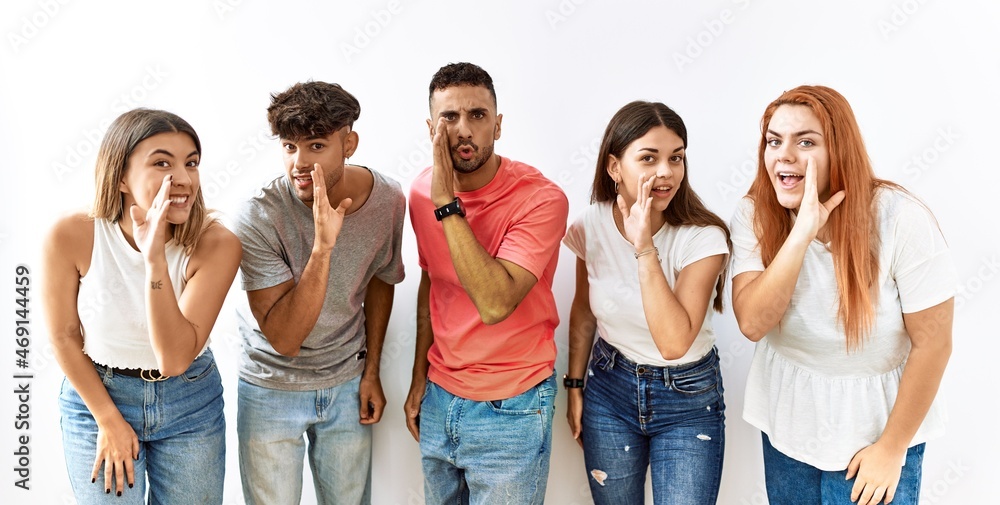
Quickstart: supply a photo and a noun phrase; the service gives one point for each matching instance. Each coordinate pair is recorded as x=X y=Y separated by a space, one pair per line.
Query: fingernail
x=107 y=491
x=130 y=485
x=93 y=480
x=119 y=493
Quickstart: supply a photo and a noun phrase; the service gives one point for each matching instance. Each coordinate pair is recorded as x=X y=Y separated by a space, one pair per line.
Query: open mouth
x=788 y=179
x=466 y=152
x=662 y=190
x=179 y=200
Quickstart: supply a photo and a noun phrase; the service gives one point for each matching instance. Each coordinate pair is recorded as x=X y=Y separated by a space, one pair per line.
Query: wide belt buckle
x=152 y=375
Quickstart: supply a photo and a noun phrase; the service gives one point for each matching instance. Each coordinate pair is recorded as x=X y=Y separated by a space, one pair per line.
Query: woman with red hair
x=846 y=284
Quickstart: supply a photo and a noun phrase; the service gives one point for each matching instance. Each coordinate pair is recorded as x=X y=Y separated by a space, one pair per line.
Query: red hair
x=853 y=225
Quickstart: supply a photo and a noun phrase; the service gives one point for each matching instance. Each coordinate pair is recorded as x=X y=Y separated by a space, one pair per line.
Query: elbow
x=495 y=314
x=672 y=354
x=750 y=331
x=172 y=367
x=288 y=351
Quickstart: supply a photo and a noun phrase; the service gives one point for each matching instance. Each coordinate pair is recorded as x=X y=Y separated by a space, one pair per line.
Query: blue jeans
x=181 y=431
x=671 y=419
x=792 y=481
x=270 y=425
x=492 y=452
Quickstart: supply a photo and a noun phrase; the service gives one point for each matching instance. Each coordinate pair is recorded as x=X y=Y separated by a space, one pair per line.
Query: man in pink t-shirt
x=488 y=231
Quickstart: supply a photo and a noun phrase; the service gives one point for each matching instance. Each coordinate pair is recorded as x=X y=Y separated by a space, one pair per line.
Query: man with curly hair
x=488 y=231
x=321 y=253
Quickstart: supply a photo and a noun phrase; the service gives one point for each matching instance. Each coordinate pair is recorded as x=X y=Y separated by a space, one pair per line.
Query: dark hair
x=629 y=124
x=311 y=110
x=121 y=139
x=461 y=74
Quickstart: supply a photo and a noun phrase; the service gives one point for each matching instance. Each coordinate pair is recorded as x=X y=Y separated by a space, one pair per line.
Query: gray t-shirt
x=277 y=233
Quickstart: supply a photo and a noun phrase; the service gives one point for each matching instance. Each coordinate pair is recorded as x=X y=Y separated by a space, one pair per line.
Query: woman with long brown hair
x=650 y=269
x=846 y=284
x=131 y=293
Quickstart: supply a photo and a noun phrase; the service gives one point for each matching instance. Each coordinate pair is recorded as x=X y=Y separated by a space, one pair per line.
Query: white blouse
x=818 y=402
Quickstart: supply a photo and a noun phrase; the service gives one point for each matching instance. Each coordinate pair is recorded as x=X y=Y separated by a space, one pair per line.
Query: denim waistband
x=617 y=359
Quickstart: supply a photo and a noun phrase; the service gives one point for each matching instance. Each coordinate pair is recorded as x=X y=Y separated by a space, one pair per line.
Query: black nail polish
x=107 y=491
x=93 y=480
x=119 y=493
x=130 y=486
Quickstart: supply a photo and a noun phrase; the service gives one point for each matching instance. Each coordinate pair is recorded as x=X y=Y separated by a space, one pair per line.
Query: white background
x=922 y=78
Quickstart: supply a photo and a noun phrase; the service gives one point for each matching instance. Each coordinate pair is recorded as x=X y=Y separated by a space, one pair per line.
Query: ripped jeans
x=670 y=418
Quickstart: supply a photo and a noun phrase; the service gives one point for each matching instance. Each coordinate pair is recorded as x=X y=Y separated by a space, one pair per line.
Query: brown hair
x=121 y=139
x=630 y=123
x=856 y=262
x=311 y=109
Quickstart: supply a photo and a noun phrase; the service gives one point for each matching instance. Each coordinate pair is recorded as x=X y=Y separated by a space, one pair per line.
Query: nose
x=462 y=128
x=664 y=170
x=784 y=153
x=180 y=177
x=301 y=161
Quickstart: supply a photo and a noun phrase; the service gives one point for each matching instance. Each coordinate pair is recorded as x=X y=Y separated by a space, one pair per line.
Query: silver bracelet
x=647 y=251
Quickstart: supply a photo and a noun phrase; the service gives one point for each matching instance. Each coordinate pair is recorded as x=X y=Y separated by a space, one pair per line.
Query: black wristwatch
x=572 y=383
x=455 y=207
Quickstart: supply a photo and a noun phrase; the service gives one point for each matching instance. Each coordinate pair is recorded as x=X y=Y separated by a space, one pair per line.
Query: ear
x=614 y=168
x=496 y=129
x=350 y=144
x=122 y=187
x=430 y=128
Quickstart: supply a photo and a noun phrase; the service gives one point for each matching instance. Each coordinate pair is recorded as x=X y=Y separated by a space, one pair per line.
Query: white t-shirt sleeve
x=703 y=241
x=746 y=249
x=921 y=261
x=576 y=236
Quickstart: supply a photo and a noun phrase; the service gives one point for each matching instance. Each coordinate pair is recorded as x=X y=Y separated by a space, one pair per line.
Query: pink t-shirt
x=520 y=216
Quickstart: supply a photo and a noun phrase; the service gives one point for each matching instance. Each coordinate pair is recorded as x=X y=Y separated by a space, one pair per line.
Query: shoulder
x=217 y=241
x=387 y=185
x=896 y=206
x=72 y=232
x=532 y=189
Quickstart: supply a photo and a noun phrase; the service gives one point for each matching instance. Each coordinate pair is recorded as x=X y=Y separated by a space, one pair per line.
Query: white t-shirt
x=613 y=272
x=817 y=402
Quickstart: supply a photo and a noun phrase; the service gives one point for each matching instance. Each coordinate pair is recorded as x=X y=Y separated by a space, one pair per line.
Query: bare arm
x=582 y=326
x=495 y=286
x=287 y=312
x=760 y=299
x=378 y=306
x=64 y=252
x=878 y=466
x=179 y=328
x=425 y=337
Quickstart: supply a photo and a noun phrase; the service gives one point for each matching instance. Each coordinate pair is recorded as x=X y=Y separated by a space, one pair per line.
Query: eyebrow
x=796 y=134
x=168 y=153
x=655 y=150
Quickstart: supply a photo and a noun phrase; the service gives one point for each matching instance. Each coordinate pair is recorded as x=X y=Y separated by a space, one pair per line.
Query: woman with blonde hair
x=131 y=293
x=845 y=282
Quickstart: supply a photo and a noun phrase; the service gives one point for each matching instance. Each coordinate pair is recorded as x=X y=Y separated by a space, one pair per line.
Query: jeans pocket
x=525 y=403
x=198 y=370
x=696 y=381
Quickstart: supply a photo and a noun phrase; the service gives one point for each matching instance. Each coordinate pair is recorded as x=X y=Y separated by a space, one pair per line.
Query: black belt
x=141 y=373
